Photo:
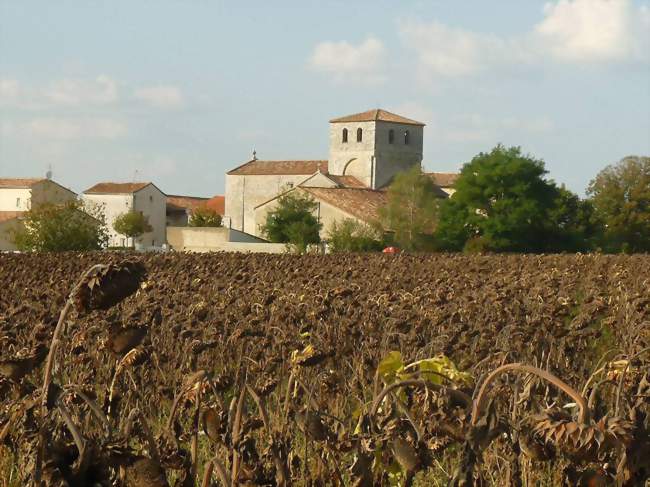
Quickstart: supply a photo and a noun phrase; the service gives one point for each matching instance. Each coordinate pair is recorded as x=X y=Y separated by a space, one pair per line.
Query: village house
x=366 y=151
x=114 y=199
x=19 y=195
x=180 y=208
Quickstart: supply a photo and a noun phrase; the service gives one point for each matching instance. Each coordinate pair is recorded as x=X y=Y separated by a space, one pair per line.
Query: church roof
x=257 y=167
x=346 y=181
x=363 y=204
x=443 y=179
x=377 y=115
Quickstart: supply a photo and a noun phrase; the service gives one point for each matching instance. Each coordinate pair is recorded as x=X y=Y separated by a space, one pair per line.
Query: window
x=345 y=136
x=150 y=199
x=359 y=135
x=17 y=202
x=391 y=136
x=406 y=137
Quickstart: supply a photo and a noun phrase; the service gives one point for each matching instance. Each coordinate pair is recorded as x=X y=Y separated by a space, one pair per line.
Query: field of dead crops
x=364 y=370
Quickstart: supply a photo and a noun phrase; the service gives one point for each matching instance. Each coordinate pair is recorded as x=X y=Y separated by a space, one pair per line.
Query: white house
x=117 y=198
x=366 y=150
x=18 y=195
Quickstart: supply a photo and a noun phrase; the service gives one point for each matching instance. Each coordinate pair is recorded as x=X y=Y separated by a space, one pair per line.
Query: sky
x=180 y=91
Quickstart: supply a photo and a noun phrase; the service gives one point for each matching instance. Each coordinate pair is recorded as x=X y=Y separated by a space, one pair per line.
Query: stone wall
x=206 y=239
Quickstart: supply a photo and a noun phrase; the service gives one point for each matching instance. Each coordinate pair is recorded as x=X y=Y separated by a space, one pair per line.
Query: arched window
x=345 y=136
x=359 y=135
x=406 y=137
x=391 y=136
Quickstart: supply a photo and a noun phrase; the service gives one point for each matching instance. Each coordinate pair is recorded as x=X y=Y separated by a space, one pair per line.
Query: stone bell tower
x=373 y=146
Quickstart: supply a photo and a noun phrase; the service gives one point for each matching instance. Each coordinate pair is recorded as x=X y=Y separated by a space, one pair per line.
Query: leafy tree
x=502 y=203
x=293 y=222
x=350 y=235
x=203 y=216
x=572 y=224
x=411 y=211
x=52 y=227
x=131 y=224
x=620 y=194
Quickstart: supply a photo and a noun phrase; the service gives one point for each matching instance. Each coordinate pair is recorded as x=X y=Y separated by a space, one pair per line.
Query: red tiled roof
x=217 y=203
x=377 y=115
x=185 y=202
x=360 y=203
x=19 y=182
x=443 y=179
x=9 y=215
x=257 y=167
x=116 y=188
x=347 y=181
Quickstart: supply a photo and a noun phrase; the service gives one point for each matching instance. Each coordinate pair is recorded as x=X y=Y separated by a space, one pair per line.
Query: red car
x=391 y=250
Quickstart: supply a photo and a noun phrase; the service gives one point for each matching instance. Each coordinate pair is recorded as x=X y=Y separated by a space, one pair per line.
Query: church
x=366 y=150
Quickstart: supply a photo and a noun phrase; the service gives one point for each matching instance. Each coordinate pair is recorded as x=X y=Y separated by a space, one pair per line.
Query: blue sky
x=178 y=92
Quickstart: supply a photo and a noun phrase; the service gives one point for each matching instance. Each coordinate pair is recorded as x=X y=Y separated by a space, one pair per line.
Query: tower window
x=391 y=136
x=406 y=137
x=359 y=135
x=345 y=136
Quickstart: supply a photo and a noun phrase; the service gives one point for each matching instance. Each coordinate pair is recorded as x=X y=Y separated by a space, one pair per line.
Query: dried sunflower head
x=107 y=285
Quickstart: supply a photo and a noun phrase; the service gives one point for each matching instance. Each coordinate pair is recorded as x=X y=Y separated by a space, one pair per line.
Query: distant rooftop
x=116 y=188
x=19 y=182
x=257 y=167
x=377 y=115
x=9 y=215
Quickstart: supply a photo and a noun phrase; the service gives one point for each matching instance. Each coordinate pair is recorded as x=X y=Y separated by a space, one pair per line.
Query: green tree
x=52 y=227
x=411 y=211
x=202 y=216
x=131 y=224
x=502 y=203
x=349 y=235
x=293 y=222
x=572 y=224
x=620 y=194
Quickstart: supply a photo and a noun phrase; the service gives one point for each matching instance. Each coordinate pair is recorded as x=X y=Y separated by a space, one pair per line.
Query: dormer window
x=406 y=137
x=345 y=136
x=391 y=136
x=359 y=135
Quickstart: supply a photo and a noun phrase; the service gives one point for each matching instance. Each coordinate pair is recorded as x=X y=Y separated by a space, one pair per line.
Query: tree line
x=502 y=201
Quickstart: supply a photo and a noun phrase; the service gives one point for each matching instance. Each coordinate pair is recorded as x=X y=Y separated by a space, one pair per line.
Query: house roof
x=116 y=188
x=257 y=167
x=19 y=182
x=347 y=181
x=184 y=202
x=377 y=115
x=9 y=215
x=360 y=203
x=443 y=179
x=217 y=203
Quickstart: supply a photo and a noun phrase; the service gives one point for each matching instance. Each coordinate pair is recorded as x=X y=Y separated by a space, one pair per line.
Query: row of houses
x=19 y=195
x=366 y=151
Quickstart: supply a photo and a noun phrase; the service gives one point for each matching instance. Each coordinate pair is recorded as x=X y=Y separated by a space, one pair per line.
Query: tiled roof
x=360 y=203
x=377 y=115
x=443 y=179
x=9 y=215
x=19 y=182
x=257 y=167
x=116 y=188
x=347 y=181
x=217 y=203
x=184 y=202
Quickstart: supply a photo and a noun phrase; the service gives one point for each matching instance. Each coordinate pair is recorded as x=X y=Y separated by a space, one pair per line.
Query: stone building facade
x=366 y=150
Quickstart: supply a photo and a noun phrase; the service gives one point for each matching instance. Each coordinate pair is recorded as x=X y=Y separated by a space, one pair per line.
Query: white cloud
x=101 y=90
x=9 y=91
x=574 y=31
x=594 y=30
x=160 y=96
x=347 y=62
x=71 y=129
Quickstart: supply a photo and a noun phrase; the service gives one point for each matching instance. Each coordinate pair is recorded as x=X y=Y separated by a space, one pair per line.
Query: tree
x=202 y=216
x=502 y=203
x=572 y=224
x=349 y=235
x=411 y=211
x=131 y=224
x=620 y=194
x=52 y=227
x=293 y=222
